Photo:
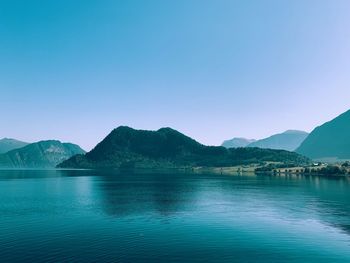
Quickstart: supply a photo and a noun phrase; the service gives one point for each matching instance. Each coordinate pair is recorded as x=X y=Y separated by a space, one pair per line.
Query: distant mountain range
x=43 y=154
x=237 y=142
x=10 y=144
x=125 y=147
x=289 y=140
x=330 y=140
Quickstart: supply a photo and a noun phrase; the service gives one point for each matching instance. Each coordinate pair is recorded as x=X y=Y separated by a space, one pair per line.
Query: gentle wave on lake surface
x=96 y=216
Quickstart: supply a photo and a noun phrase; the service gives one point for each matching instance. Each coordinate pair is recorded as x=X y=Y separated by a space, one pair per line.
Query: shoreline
x=193 y=170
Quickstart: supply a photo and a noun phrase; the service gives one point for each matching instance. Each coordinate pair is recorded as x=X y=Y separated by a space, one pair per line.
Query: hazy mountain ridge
x=7 y=144
x=237 y=142
x=166 y=148
x=330 y=140
x=289 y=140
x=43 y=154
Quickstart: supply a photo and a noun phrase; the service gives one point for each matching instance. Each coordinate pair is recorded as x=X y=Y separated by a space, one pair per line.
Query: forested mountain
x=125 y=147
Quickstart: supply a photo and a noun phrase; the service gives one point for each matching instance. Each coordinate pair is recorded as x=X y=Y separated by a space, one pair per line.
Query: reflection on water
x=162 y=194
x=107 y=216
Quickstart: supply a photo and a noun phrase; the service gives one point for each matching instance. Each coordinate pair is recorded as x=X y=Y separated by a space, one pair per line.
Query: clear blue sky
x=74 y=70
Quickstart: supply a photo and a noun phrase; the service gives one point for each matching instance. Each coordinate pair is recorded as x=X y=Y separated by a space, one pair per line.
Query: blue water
x=89 y=216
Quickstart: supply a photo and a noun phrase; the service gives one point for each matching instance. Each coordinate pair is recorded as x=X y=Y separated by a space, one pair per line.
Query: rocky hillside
x=43 y=154
x=10 y=144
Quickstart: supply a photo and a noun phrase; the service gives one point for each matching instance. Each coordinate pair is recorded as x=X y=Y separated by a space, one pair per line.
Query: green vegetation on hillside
x=313 y=169
x=125 y=147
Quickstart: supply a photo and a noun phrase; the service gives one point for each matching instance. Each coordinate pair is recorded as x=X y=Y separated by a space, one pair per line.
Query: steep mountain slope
x=166 y=148
x=43 y=154
x=330 y=140
x=7 y=144
x=288 y=140
x=237 y=142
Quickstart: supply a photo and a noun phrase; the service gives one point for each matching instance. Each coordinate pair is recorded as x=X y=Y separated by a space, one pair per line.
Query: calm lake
x=90 y=216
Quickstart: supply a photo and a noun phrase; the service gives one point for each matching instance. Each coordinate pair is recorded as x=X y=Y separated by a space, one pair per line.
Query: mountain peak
x=8 y=144
x=167 y=129
x=7 y=139
x=123 y=129
x=288 y=140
